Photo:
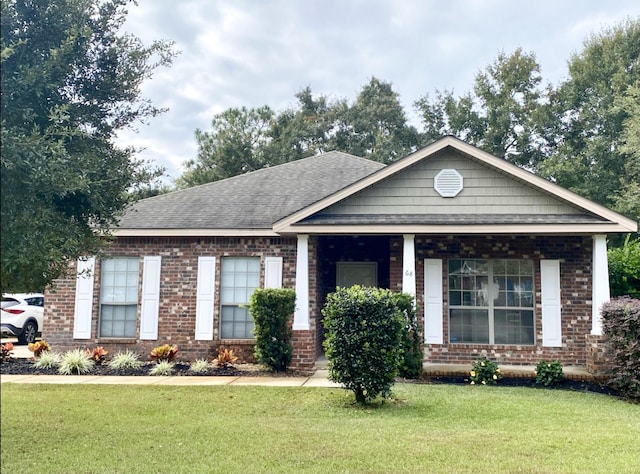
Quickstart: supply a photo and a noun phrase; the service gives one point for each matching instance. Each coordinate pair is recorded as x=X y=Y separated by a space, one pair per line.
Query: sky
x=249 y=53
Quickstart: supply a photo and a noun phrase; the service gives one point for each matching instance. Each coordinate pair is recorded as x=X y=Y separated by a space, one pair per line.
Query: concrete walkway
x=318 y=379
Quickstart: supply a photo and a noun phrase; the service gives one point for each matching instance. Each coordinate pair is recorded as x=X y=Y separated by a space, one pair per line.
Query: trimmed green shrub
x=363 y=343
x=413 y=354
x=272 y=310
x=485 y=372
x=549 y=373
x=621 y=324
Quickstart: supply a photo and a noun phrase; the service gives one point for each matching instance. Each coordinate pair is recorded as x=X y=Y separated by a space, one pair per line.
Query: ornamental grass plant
x=76 y=362
x=125 y=360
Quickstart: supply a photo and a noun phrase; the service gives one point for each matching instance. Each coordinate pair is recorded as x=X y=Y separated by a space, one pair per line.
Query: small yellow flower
x=482 y=364
x=495 y=377
x=497 y=370
x=473 y=373
x=484 y=383
x=472 y=382
x=548 y=365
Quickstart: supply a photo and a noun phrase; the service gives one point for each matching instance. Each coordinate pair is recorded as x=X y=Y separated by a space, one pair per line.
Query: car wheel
x=28 y=332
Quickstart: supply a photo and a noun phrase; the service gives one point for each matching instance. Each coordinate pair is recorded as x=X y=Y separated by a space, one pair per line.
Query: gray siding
x=486 y=191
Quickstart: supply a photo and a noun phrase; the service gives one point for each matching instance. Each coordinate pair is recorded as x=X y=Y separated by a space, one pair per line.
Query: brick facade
x=574 y=254
x=178 y=283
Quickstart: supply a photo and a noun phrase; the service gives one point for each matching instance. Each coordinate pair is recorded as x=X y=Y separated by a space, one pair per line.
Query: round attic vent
x=448 y=183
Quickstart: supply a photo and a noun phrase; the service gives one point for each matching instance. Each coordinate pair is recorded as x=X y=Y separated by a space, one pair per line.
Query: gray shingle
x=251 y=201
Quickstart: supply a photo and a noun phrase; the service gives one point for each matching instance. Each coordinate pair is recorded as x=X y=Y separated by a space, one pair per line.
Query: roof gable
x=495 y=193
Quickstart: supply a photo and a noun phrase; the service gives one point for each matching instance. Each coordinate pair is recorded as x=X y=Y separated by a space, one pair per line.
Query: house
x=501 y=262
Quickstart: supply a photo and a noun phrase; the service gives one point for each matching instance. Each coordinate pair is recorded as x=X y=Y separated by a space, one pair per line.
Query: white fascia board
x=526 y=229
x=194 y=233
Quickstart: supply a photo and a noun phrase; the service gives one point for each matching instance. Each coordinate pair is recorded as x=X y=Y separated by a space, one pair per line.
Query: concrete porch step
x=457 y=370
x=462 y=370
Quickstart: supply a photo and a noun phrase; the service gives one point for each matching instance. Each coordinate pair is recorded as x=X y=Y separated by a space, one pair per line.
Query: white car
x=22 y=315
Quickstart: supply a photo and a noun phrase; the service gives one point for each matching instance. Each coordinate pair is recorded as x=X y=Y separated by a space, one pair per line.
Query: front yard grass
x=231 y=429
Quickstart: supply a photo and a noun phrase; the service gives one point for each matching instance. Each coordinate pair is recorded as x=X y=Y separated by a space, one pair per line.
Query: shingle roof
x=251 y=201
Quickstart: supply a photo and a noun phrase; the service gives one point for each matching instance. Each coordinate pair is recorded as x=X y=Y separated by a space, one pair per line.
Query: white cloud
x=248 y=53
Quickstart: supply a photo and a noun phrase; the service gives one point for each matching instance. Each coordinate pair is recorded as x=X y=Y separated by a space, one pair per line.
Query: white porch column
x=409 y=266
x=600 y=282
x=301 y=313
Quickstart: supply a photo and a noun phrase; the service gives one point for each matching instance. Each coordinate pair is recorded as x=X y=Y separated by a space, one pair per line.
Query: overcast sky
x=262 y=52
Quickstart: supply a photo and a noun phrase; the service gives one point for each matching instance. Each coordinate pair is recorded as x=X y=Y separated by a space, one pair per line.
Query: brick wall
x=178 y=284
x=574 y=254
x=599 y=358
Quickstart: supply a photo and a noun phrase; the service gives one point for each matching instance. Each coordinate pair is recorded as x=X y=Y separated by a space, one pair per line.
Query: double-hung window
x=240 y=276
x=119 y=297
x=491 y=301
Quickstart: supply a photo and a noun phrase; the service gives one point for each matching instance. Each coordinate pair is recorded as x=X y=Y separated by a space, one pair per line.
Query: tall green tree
x=70 y=80
x=236 y=144
x=627 y=199
x=500 y=116
x=303 y=131
x=375 y=126
x=596 y=117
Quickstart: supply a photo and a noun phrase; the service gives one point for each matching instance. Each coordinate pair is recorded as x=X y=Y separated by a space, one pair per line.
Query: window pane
x=117 y=321
x=513 y=327
x=240 y=277
x=468 y=325
x=236 y=323
x=499 y=293
x=118 y=298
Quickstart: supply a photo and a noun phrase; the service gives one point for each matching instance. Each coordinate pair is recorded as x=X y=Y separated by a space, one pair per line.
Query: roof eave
x=194 y=233
x=492 y=229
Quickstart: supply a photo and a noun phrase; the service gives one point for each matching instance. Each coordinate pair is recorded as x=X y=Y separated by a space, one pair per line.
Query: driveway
x=20 y=351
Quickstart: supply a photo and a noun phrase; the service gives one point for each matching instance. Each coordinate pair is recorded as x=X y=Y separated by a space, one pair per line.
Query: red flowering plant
x=164 y=352
x=39 y=347
x=97 y=354
x=6 y=351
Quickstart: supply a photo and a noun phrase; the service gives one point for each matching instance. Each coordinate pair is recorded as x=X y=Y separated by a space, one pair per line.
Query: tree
x=627 y=198
x=501 y=115
x=375 y=126
x=302 y=132
x=243 y=140
x=624 y=268
x=596 y=121
x=70 y=81
x=235 y=145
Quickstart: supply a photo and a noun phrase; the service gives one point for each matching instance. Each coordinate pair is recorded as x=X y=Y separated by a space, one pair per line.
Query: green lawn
x=426 y=428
